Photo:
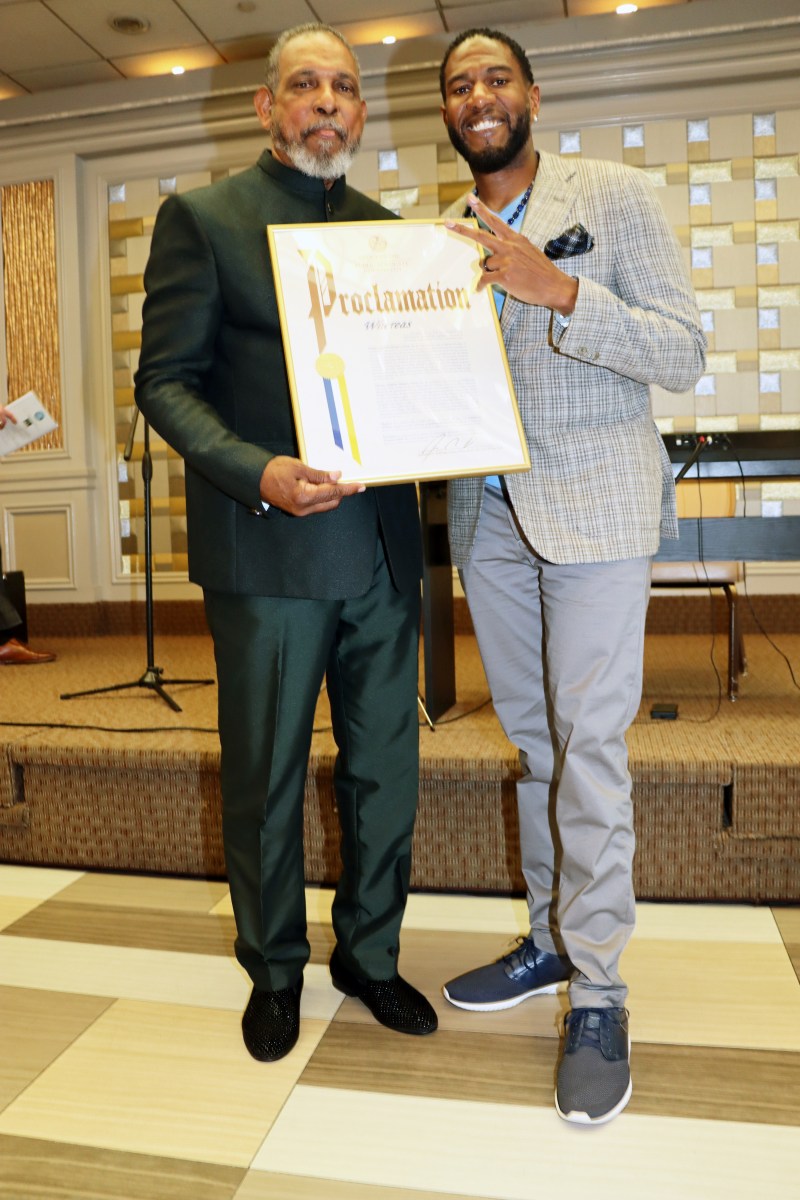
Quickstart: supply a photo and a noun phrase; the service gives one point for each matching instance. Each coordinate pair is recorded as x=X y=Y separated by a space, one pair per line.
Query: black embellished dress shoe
x=271 y=1022
x=392 y=1002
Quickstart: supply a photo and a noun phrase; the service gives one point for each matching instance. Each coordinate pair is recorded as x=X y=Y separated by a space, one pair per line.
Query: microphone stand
x=152 y=679
x=692 y=459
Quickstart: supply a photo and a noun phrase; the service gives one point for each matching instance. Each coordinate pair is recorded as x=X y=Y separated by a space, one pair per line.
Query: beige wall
x=712 y=116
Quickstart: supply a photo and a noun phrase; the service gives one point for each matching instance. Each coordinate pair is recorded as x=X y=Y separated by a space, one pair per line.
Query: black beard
x=494 y=158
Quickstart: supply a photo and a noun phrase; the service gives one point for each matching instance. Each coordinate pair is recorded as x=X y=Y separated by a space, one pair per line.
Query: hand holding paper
x=23 y=421
x=288 y=484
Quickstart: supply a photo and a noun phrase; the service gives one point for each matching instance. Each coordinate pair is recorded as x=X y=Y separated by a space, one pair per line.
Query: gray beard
x=325 y=163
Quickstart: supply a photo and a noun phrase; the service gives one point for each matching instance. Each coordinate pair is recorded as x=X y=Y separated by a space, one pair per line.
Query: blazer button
x=329 y=207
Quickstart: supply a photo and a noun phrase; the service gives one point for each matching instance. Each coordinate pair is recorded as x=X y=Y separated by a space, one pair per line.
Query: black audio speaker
x=14 y=587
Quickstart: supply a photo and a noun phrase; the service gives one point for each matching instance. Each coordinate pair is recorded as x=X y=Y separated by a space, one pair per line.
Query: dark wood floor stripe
x=756 y=1086
x=37 y=1026
x=31 y=1169
x=144 y=928
x=788 y=922
x=267 y=1185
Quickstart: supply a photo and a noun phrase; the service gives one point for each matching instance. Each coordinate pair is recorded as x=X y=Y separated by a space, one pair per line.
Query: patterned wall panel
x=30 y=294
x=730 y=187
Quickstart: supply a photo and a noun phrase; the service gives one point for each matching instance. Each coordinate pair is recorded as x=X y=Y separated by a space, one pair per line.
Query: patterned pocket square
x=572 y=241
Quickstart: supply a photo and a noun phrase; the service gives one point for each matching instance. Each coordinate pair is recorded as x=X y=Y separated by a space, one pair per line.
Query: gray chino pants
x=562 y=647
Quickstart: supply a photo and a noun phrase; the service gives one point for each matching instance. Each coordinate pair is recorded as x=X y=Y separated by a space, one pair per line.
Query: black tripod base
x=152 y=680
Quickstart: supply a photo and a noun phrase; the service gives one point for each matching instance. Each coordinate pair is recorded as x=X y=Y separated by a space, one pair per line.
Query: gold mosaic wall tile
x=450 y=192
x=122 y=284
x=126 y=227
x=729 y=185
x=710 y=172
x=699 y=214
x=777 y=231
x=773 y=168
x=713 y=298
x=712 y=235
x=697 y=152
x=656 y=175
x=677 y=173
x=780 y=360
x=719 y=363
x=747 y=360
x=746 y=297
x=764 y=146
x=780 y=491
x=779 y=297
x=766 y=210
x=742 y=168
x=782 y=421
x=634 y=156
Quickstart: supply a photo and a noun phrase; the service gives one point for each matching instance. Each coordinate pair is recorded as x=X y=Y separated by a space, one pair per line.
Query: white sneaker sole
x=497 y=1005
x=576 y=1117
x=583 y=1118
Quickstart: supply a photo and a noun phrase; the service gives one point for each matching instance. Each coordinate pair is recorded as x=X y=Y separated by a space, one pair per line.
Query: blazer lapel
x=547 y=213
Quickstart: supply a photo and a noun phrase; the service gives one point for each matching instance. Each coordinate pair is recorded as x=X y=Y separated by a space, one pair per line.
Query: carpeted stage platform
x=119 y=781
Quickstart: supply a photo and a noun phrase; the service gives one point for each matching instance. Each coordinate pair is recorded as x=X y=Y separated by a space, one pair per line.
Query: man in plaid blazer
x=596 y=307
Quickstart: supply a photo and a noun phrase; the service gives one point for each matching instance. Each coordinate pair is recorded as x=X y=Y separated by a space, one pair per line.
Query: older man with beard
x=596 y=307
x=303 y=576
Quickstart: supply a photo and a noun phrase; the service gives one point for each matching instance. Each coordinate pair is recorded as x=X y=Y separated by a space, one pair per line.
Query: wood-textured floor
x=123 y=1075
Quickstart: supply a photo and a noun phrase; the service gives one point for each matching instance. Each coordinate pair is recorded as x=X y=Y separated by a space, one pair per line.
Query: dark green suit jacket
x=212 y=381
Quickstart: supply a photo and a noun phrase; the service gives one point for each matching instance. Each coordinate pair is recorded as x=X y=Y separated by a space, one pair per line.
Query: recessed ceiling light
x=178 y=70
x=129 y=24
x=623 y=9
x=389 y=40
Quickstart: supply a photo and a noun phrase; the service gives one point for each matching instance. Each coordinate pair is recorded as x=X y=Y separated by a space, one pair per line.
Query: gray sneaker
x=594 y=1075
x=523 y=973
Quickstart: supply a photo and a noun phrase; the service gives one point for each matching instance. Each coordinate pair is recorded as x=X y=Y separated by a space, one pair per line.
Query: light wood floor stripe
x=40 y=882
x=160 y=976
x=123 y=1075
x=164 y=1080
x=513 y=1152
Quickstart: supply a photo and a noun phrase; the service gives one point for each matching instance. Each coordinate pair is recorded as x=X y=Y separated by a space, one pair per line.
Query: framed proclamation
x=396 y=364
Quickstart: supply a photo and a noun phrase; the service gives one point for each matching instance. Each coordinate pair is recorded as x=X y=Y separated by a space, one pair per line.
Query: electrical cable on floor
x=126 y=729
x=196 y=728
x=108 y=728
x=459 y=716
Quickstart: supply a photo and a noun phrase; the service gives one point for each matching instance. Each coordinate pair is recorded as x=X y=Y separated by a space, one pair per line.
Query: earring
x=536 y=116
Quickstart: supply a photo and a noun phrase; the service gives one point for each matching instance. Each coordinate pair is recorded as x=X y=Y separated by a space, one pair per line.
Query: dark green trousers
x=272 y=655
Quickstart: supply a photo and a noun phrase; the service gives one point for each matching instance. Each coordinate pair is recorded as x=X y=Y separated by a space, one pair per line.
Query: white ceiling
x=47 y=44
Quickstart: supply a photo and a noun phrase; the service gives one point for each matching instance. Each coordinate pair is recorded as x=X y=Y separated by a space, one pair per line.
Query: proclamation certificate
x=396 y=364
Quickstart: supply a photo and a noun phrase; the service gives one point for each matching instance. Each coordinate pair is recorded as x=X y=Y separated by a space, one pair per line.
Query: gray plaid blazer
x=600 y=487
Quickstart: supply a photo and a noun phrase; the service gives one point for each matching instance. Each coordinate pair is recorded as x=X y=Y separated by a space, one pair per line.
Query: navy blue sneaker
x=523 y=973
x=594 y=1075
